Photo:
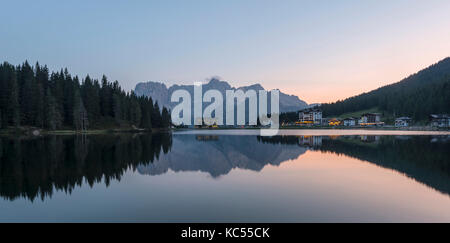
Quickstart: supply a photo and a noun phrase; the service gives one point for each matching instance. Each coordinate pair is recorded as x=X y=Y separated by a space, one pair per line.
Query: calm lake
x=227 y=176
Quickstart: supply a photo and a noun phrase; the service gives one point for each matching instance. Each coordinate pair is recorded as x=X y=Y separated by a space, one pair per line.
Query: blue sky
x=319 y=50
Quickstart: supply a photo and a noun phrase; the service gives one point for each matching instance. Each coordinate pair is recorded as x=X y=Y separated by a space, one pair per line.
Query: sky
x=321 y=51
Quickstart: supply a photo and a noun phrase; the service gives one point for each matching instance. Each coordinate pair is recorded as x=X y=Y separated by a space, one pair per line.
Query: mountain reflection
x=218 y=155
x=35 y=168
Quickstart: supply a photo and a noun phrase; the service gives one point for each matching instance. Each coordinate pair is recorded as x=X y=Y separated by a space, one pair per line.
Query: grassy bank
x=32 y=131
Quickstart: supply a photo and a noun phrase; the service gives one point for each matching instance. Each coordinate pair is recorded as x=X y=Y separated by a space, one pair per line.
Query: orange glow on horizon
x=329 y=85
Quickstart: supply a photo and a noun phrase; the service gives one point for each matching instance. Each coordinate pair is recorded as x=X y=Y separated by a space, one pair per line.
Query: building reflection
x=370 y=138
x=310 y=141
x=207 y=138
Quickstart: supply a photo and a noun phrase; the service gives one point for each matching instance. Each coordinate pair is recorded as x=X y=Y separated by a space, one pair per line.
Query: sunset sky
x=319 y=50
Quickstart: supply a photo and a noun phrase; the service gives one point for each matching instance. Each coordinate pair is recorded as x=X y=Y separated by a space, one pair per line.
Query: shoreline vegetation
x=32 y=131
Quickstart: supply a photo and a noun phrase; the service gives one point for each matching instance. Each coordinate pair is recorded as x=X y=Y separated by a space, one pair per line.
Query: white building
x=349 y=122
x=371 y=119
x=441 y=120
x=403 y=122
x=310 y=116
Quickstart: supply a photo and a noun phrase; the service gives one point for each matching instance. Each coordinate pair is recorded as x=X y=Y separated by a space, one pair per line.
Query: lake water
x=227 y=176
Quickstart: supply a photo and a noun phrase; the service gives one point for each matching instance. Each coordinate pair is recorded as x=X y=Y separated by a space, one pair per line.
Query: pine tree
x=90 y=93
x=26 y=93
x=106 y=98
x=136 y=113
x=69 y=97
x=146 y=121
x=53 y=119
x=166 y=119
x=3 y=89
x=117 y=108
x=80 y=115
x=38 y=96
x=156 y=116
x=13 y=108
x=57 y=89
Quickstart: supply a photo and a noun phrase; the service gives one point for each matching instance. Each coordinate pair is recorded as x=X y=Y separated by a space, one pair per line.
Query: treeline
x=417 y=96
x=32 y=96
x=289 y=117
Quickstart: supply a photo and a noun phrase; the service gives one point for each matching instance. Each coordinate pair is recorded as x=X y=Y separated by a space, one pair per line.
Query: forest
x=31 y=96
x=417 y=96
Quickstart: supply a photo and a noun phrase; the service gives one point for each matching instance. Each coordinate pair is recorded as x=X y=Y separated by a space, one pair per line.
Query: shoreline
x=312 y=132
x=384 y=128
x=389 y=128
x=35 y=132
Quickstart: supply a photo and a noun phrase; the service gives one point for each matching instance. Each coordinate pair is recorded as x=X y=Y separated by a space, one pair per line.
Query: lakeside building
x=311 y=116
x=440 y=120
x=334 y=122
x=403 y=122
x=371 y=119
x=350 y=122
x=204 y=121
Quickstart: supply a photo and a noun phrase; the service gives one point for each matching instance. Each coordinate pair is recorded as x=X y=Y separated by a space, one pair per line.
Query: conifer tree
x=26 y=79
x=166 y=119
x=156 y=116
x=80 y=115
x=135 y=108
x=146 y=121
x=53 y=119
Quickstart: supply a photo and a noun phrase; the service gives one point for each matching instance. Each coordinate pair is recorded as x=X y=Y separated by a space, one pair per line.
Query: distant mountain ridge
x=417 y=96
x=160 y=92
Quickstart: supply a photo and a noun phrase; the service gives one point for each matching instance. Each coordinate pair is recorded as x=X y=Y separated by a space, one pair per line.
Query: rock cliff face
x=162 y=94
x=158 y=92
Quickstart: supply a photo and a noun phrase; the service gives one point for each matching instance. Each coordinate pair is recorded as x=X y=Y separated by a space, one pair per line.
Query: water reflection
x=34 y=168
x=423 y=158
x=218 y=155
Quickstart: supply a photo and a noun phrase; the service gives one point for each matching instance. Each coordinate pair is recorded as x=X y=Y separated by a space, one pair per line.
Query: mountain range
x=161 y=93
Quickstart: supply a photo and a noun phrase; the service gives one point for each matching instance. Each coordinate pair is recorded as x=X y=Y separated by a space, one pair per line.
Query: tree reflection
x=36 y=167
x=423 y=158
